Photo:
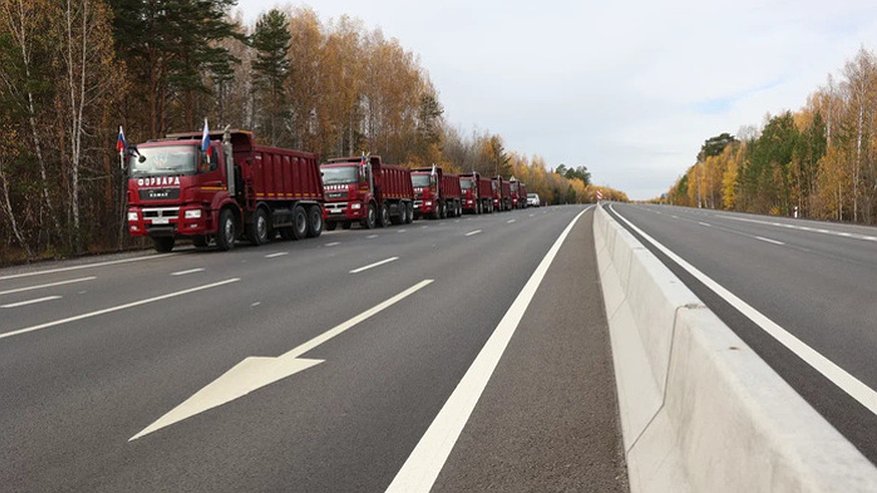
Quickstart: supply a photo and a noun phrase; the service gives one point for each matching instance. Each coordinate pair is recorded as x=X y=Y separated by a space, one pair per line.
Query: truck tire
x=315 y=221
x=331 y=226
x=459 y=209
x=227 y=231
x=345 y=225
x=478 y=208
x=200 y=241
x=384 y=219
x=163 y=244
x=299 y=223
x=410 y=207
x=259 y=231
x=371 y=220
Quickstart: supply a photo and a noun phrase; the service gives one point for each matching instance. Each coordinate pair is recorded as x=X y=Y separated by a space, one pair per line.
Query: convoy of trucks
x=221 y=187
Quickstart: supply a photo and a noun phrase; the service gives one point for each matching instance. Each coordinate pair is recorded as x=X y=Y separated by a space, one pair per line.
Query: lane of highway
x=73 y=397
x=810 y=280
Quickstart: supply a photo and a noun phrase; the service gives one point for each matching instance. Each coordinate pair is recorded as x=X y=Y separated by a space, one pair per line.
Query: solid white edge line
x=190 y=271
x=30 y=302
x=376 y=264
x=422 y=467
x=49 y=285
x=851 y=385
x=116 y=308
x=85 y=266
x=470 y=233
x=768 y=240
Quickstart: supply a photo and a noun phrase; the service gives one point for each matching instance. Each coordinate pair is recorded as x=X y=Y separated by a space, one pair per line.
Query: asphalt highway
x=814 y=285
x=316 y=365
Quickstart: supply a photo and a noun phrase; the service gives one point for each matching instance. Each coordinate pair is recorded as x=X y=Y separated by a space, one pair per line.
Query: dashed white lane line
x=511 y=221
x=674 y=217
x=30 y=302
x=371 y=237
x=49 y=285
x=276 y=254
x=116 y=308
x=470 y=233
x=186 y=272
x=334 y=243
x=854 y=387
x=708 y=225
x=422 y=467
x=402 y=231
x=531 y=215
x=85 y=266
x=768 y=240
x=376 y=264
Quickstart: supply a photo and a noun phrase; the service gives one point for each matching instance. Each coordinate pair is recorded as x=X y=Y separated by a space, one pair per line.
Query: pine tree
x=270 y=70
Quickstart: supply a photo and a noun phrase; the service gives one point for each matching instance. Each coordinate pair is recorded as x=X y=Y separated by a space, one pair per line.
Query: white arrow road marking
x=376 y=264
x=30 y=302
x=256 y=372
x=50 y=285
x=116 y=308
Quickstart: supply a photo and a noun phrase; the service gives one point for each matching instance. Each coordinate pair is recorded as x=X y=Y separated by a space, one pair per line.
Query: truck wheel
x=315 y=222
x=226 y=235
x=299 y=223
x=345 y=225
x=331 y=226
x=443 y=210
x=259 y=231
x=163 y=244
x=459 y=209
x=200 y=241
x=385 y=216
x=478 y=208
x=410 y=218
x=371 y=219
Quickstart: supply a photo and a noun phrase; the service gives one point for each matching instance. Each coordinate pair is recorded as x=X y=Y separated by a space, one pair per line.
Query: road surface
x=318 y=365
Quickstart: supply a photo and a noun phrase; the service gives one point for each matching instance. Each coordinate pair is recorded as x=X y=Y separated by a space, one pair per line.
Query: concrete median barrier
x=700 y=411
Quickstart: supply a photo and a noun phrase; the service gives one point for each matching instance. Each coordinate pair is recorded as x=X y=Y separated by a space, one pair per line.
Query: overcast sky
x=629 y=89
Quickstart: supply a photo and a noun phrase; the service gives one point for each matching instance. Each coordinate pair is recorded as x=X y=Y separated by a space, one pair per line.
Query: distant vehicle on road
x=436 y=194
x=519 y=194
x=222 y=187
x=502 y=194
x=533 y=200
x=365 y=190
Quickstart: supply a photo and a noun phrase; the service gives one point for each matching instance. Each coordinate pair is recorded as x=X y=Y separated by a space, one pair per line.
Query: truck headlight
x=132 y=216
x=356 y=206
x=427 y=202
x=193 y=214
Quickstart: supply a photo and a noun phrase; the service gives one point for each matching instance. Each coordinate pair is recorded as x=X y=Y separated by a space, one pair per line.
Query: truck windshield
x=420 y=180
x=466 y=184
x=164 y=160
x=340 y=174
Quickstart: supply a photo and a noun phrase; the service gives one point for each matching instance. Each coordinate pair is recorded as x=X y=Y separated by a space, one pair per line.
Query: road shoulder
x=548 y=419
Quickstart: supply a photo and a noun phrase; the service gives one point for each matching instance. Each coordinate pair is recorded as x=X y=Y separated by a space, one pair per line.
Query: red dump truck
x=502 y=194
x=437 y=194
x=477 y=193
x=235 y=188
x=364 y=190
x=518 y=194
